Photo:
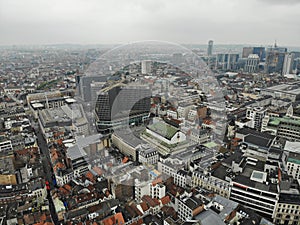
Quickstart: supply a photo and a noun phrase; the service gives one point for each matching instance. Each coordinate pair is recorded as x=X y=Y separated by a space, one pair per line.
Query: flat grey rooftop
x=128 y=137
x=77 y=151
x=209 y=217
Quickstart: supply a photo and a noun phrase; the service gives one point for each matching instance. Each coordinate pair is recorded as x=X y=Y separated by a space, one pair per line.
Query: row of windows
x=288 y=206
x=252 y=204
x=289 y=211
x=279 y=221
x=251 y=190
x=292 y=166
x=254 y=197
x=213 y=183
x=184 y=211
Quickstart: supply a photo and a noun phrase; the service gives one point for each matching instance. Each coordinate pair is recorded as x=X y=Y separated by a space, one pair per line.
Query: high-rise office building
x=296 y=66
x=177 y=58
x=146 y=66
x=296 y=63
x=120 y=104
x=247 y=51
x=210 y=47
x=227 y=61
x=95 y=87
x=85 y=86
x=275 y=59
x=260 y=51
x=288 y=64
x=252 y=62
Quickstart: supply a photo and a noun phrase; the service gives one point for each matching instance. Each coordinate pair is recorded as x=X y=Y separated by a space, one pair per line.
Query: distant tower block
x=146 y=67
x=210 y=47
x=178 y=58
x=288 y=63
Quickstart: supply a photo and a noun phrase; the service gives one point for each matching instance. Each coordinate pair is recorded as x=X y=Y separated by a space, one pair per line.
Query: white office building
x=146 y=67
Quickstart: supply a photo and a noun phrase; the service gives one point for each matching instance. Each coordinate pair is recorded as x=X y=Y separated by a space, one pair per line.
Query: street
x=47 y=169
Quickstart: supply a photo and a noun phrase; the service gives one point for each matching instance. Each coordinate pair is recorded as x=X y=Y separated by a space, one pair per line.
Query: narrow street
x=47 y=169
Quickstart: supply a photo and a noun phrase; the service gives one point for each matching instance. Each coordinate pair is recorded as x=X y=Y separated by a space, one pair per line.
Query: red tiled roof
x=64 y=191
x=156 y=181
x=133 y=206
x=39 y=223
x=90 y=176
x=67 y=187
x=60 y=165
x=152 y=202
x=115 y=219
x=165 y=200
x=125 y=160
x=144 y=206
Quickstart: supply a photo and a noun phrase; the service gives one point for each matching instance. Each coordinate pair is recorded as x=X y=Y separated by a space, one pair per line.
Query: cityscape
x=163 y=134
x=197 y=123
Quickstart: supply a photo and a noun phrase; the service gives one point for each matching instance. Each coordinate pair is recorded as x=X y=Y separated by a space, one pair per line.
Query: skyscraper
x=84 y=87
x=260 y=51
x=252 y=62
x=120 y=104
x=227 y=61
x=247 y=51
x=146 y=66
x=177 y=58
x=288 y=64
x=210 y=47
x=275 y=59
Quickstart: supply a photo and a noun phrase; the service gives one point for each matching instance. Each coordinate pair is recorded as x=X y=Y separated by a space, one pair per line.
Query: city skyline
x=165 y=112
x=134 y=138
x=113 y=22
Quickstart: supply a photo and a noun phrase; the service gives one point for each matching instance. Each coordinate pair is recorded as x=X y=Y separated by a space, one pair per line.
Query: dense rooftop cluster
x=174 y=152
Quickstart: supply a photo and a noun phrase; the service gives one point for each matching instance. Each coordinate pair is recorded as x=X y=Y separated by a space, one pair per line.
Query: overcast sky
x=122 y=21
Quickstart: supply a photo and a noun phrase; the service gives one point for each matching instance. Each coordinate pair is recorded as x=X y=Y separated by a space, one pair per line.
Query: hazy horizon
x=254 y=22
x=233 y=48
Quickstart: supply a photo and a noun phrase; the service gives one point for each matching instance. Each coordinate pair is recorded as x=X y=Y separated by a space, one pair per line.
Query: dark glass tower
x=210 y=47
x=120 y=105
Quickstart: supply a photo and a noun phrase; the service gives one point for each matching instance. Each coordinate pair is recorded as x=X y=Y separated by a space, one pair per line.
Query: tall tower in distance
x=210 y=47
x=275 y=59
x=146 y=66
x=288 y=63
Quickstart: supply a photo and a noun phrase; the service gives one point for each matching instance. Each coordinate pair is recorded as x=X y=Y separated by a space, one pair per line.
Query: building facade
x=227 y=61
x=287 y=210
x=255 y=115
x=252 y=62
x=288 y=64
x=210 y=47
x=275 y=59
x=293 y=165
x=120 y=105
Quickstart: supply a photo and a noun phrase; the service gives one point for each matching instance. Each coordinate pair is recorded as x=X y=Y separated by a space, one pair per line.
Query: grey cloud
x=119 y=21
x=281 y=2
